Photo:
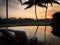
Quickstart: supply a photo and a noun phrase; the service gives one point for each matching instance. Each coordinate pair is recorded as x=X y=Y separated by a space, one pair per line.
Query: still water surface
x=30 y=30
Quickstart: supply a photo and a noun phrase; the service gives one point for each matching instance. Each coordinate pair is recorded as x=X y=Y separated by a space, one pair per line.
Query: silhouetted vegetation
x=16 y=37
x=11 y=37
x=23 y=22
x=56 y=24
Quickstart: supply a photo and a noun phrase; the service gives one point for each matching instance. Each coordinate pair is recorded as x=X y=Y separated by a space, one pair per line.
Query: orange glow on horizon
x=19 y=12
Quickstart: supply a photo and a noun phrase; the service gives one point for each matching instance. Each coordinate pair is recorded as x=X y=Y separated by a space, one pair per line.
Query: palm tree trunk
x=37 y=21
x=45 y=25
x=7 y=14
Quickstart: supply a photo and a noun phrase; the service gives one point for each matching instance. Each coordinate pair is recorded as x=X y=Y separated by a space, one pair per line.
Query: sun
x=48 y=17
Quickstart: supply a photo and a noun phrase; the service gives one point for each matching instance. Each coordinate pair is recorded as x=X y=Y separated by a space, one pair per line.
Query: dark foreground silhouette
x=15 y=37
x=55 y=24
x=12 y=37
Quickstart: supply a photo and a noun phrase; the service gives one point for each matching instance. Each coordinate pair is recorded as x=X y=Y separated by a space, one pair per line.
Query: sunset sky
x=16 y=10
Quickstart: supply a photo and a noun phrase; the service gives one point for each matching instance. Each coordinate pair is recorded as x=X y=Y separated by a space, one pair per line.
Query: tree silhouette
x=30 y=3
x=7 y=14
x=41 y=3
x=46 y=2
x=55 y=24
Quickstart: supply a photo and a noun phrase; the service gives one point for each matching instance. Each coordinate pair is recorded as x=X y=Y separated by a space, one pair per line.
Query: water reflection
x=30 y=30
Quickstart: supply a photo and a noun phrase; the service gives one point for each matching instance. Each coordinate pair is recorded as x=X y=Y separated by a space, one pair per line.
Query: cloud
x=12 y=3
x=16 y=9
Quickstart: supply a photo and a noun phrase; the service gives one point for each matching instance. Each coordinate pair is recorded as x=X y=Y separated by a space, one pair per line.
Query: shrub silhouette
x=55 y=24
x=8 y=38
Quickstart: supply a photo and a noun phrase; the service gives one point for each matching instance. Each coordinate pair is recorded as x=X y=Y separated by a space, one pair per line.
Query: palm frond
x=42 y=5
x=56 y=2
x=20 y=1
x=29 y=6
x=29 y=3
x=48 y=1
x=26 y=3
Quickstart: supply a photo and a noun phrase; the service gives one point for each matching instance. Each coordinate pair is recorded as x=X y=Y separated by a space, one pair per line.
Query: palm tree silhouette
x=46 y=4
x=7 y=14
x=30 y=3
x=41 y=3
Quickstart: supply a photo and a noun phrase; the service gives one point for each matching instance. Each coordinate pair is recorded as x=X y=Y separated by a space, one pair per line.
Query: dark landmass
x=16 y=37
x=23 y=22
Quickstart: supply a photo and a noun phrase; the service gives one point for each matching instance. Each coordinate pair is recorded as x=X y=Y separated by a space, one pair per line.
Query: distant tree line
x=23 y=21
